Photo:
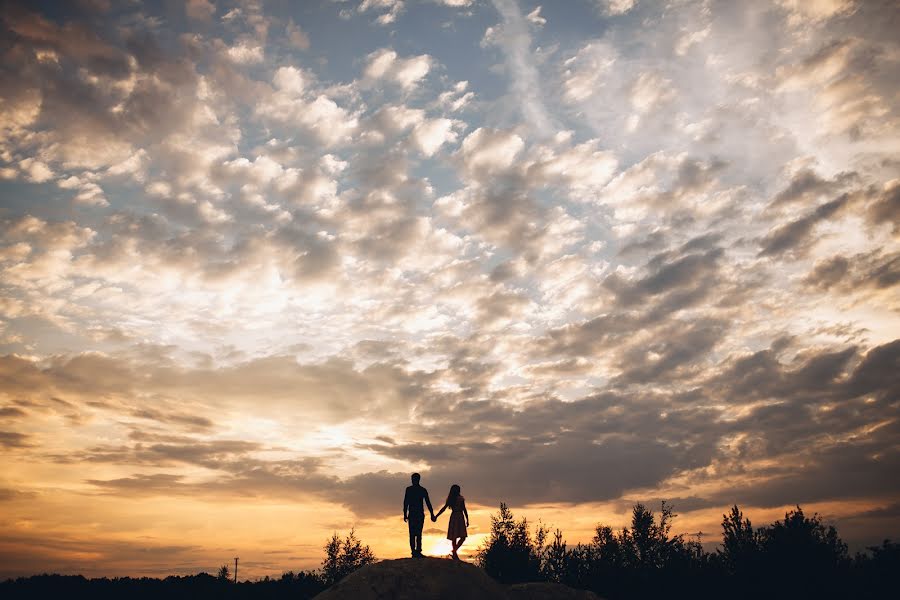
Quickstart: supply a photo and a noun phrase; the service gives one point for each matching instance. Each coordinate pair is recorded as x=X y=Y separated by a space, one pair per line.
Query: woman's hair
x=453 y=496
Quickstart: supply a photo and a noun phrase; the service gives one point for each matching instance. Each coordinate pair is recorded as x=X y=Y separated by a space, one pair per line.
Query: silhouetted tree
x=801 y=555
x=610 y=556
x=740 y=550
x=642 y=559
x=654 y=561
x=885 y=558
x=224 y=574
x=580 y=566
x=875 y=575
x=342 y=557
x=510 y=554
x=555 y=566
x=652 y=546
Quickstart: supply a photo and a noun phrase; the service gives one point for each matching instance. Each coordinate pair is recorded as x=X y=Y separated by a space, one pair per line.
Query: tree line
x=797 y=557
x=342 y=556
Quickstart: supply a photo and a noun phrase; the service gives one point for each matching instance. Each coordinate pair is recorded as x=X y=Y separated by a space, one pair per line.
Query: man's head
x=415 y=478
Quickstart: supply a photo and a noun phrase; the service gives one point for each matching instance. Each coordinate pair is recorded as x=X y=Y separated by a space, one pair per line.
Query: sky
x=261 y=260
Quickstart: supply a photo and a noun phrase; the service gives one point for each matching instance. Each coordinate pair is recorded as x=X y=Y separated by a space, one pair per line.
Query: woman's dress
x=457 y=527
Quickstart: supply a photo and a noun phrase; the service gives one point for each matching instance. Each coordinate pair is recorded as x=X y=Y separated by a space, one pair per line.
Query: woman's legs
x=457 y=543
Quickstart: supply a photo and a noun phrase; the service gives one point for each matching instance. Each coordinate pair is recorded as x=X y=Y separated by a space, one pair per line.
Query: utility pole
x=235 y=568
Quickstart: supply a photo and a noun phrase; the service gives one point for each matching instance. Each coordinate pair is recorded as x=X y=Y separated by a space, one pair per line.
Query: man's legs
x=416 y=523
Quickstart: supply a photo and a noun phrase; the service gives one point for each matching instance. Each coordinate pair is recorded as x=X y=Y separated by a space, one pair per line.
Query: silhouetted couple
x=414 y=515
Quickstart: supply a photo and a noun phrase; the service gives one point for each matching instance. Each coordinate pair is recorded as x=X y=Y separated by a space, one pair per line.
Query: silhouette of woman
x=459 y=518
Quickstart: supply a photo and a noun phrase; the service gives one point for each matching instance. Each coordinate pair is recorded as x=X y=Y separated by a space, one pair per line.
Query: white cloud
x=134 y=166
x=535 y=17
x=430 y=135
x=427 y=135
x=584 y=168
x=585 y=72
x=457 y=98
x=393 y=8
x=385 y=64
x=331 y=122
x=691 y=38
x=262 y=170
x=615 y=7
x=817 y=10
x=35 y=170
x=489 y=150
x=515 y=40
x=20 y=110
x=290 y=80
x=90 y=194
x=649 y=91
x=828 y=90
x=393 y=118
x=245 y=54
x=293 y=102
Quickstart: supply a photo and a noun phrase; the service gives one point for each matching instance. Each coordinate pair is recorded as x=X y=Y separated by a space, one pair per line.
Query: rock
x=438 y=579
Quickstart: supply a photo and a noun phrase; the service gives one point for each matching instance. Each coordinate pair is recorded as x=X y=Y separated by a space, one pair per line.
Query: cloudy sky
x=261 y=260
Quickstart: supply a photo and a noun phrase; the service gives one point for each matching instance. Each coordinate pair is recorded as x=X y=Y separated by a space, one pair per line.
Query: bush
x=511 y=555
x=224 y=574
x=342 y=557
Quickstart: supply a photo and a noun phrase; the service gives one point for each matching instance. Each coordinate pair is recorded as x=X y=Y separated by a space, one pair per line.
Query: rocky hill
x=439 y=579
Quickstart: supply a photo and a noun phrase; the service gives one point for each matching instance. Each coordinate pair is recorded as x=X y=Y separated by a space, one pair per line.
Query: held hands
x=433 y=518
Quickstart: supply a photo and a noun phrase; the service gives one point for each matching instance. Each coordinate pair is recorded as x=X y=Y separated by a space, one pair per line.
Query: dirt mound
x=438 y=579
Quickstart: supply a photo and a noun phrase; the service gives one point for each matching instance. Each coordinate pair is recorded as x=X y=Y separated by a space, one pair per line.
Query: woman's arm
x=434 y=518
x=465 y=512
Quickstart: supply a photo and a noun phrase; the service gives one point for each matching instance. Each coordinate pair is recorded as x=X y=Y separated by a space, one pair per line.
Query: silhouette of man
x=414 y=514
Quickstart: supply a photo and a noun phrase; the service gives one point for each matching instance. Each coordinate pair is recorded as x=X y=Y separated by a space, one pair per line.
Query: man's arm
x=428 y=502
x=405 y=503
